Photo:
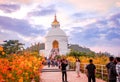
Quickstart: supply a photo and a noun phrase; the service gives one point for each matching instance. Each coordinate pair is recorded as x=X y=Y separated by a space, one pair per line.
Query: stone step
x=54 y=70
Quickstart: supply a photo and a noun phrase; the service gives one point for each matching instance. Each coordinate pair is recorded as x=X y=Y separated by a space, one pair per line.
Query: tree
x=77 y=54
x=73 y=53
x=12 y=46
x=34 y=48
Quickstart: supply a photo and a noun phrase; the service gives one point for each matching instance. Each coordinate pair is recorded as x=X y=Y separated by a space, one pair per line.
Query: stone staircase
x=54 y=52
x=54 y=69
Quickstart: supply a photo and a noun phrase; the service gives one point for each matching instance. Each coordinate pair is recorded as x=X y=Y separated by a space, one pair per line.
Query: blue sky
x=90 y=23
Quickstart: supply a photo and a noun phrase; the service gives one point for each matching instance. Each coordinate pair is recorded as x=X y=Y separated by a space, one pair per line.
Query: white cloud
x=114 y=50
x=102 y=36
x=104 y=45
x=16 y=36
x=20 y=1
x=9 y=35
x=83 y=23
x=45 y=21
x=118 y=4
x=22 y=12
x=101 y=5
x=111 y=24
x=95 y=5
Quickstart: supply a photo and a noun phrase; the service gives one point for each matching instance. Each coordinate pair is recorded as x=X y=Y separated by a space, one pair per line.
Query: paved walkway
x=57 y=76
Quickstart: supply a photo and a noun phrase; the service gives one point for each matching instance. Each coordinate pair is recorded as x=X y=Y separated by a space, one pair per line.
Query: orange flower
x=71 y=59
x=21 y=79
x=3 y=53
x=1 y=76
x=18 y=64
x=9 y=75
x=19 y=72
x=1 y=48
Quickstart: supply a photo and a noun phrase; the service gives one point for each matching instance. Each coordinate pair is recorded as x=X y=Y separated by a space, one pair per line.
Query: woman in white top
x=118 y=68
x=78 y=67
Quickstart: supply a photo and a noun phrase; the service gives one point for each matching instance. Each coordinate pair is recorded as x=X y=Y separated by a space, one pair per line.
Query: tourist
x=63 y=68
x=56 y=62
x=48 y=61
x=78 y=67
x=111 y=68
x=59 y=63
x=118 y=68
x=52 y=62
x=67 y=65
x=90 y=69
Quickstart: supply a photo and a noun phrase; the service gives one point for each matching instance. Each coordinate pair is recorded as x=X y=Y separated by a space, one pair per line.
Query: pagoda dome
x=56 y=32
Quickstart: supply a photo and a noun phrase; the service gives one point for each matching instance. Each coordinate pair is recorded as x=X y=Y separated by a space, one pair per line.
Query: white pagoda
x=56 y=41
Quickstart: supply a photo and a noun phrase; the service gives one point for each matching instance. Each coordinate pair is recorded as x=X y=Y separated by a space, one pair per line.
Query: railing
x=101 y=71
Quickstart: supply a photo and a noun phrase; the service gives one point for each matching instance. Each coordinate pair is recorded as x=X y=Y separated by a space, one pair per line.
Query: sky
x=94 y=24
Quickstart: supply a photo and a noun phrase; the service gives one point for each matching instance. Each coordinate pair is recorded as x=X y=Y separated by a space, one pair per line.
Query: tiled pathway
x=57 y=76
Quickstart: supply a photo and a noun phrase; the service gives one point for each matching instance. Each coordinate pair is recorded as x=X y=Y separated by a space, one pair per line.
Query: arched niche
x=55 y=44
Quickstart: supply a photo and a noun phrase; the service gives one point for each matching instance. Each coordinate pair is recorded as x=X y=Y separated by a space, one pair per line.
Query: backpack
x=112 y=70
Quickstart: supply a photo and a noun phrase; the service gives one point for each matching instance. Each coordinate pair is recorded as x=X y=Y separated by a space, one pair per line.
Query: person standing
x=111 y=68
x=63 y=68
x=59 y=63
x=78 y=67
x=48 y=62
x=118 y=68
x=90 y=69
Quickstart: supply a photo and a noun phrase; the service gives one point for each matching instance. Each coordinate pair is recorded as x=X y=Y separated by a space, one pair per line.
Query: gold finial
x=55 y=21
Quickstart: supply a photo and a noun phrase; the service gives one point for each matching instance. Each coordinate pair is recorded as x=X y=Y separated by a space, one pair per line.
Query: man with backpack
x=64 y=64
x=111 y=68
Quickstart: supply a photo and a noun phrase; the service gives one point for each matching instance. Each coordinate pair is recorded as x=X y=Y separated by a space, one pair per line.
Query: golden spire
x=55 y=22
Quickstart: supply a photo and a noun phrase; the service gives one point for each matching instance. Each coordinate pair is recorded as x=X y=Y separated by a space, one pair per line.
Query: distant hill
x=78 y=48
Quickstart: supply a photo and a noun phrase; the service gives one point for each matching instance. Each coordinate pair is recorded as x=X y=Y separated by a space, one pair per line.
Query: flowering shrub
x=96 y=60
x=20 y=68
x=2 y=53
x=71 y=59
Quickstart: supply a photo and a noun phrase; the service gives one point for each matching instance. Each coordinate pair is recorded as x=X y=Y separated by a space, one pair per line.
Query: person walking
x=118 y=68
x=90 y=69
x=111 y=68
x=63 y=68
x=78 y=67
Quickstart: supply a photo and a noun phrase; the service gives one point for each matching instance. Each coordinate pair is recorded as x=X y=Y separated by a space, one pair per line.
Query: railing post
x=84 y=67
x=102 y=71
